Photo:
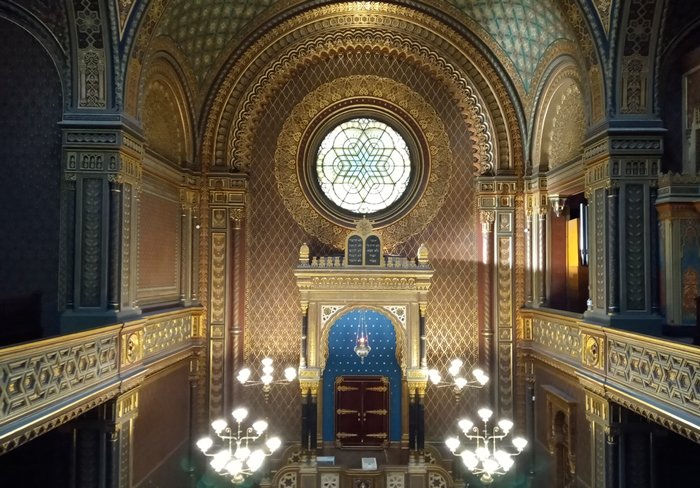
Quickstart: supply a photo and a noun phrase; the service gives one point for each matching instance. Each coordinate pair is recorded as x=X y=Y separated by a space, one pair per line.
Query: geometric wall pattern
x=273 y=317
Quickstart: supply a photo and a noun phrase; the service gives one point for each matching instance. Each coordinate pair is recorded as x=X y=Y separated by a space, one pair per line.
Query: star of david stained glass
x=363 y=165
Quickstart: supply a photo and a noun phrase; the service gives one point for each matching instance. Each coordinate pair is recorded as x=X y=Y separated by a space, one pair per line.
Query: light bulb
x=219 y=425
x=456 y=363
x=256 y=459
x=242 y=453
x=220 y=460
x=490 y=465
x=480 y=377
x=484 y=414
x=234 y=467
x=267 y=362
x=453 y=371
x=204 y=444
x=482 y=452
x=466 y=425
x=260 y=426
x=469 y=459
x=268 y=370
x=452 y=443
x=507 y=463
x=519 y=443
x=434 y=376
x=290 y=373
x=243 y=375
x=460 y=383
x=505 y=425
x=273 y=443
x=240 y=414
x=266 y=379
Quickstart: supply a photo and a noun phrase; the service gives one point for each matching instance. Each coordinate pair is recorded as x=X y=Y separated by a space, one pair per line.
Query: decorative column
x=498 y=195
x=528 y=254
x=488 y=355
x=227 y=197
x=102 y=168
x=189 y=235
x=621 y=171
x=236 y=285
x=309 y=382
x=603 y=433
x=126 y=411
x=416 y=422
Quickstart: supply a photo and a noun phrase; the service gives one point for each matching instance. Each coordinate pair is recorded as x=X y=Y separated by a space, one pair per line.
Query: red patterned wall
x=159 y=247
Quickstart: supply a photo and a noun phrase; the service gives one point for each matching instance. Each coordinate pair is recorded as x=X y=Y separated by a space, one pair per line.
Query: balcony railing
x=49 y=382
x=657 y=378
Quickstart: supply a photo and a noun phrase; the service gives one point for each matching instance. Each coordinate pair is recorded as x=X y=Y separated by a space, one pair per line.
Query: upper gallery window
x=363 y=165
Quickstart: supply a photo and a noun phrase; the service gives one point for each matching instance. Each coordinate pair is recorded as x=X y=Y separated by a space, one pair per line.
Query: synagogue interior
x=350 y=244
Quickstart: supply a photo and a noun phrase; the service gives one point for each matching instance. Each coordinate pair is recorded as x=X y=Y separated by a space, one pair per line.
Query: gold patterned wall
x=272 y=311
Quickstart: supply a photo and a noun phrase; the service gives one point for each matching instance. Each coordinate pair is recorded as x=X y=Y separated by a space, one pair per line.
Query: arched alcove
x=382 y=361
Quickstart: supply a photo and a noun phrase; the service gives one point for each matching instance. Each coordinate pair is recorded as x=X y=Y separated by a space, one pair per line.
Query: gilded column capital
x=488 y=217
x=237 y=215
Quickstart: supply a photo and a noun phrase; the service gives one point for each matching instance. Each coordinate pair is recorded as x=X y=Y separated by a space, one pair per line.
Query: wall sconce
x=458 y=382
x=557 y=204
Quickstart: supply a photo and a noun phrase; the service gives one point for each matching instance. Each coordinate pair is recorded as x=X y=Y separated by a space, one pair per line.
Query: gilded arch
x=401 y=345
x=237 y=102
x=167 y=115
x=563 y=82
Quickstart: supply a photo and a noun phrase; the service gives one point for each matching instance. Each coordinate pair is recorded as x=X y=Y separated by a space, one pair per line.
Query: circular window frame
x=385 y=112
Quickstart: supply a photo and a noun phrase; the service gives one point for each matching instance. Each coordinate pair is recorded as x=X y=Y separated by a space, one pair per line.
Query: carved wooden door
x=362 y=411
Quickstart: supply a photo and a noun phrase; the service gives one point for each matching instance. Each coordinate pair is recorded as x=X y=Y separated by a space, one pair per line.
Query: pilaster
x=498 y=195
x=227 y=199
x=189 y=238
x=621 y=176
x=536 y=246
x=102 y=170
x=603 y=435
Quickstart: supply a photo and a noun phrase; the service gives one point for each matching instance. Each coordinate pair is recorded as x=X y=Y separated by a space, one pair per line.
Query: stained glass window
x=363 y=165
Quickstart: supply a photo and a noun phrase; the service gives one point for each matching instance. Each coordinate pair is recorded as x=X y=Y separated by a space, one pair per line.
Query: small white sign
x=325 y=460
x=369 y=464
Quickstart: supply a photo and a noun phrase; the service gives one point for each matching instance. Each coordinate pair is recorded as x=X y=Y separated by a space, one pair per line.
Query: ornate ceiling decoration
x=290 y=151
x=524 y=29
x=327 y=30
x=203 y=28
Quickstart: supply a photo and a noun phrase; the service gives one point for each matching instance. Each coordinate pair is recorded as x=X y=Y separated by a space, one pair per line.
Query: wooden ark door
x=362 y=411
